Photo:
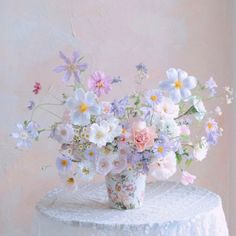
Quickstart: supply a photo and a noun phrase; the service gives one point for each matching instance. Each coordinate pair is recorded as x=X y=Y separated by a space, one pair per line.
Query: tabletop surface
x=164 y=202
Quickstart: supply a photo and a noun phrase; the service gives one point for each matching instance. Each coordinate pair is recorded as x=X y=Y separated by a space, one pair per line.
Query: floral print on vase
x=126 y=189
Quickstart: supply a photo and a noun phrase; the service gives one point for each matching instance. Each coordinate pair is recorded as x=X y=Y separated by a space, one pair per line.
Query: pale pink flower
x=103 y=166
x=99 y=83
x=143 y=136
x=187 y=178
x=184 y=130
x=119 y=164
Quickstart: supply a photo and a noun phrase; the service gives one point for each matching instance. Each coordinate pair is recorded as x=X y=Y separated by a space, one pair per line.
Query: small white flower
x=218 y=111
x=63 y=133
x=167 y=109
x=86 y=170
x=99 y=133
x=164 y=168
x=200 y=150
x=103 y=165
x=169 y=127
x=199 y=106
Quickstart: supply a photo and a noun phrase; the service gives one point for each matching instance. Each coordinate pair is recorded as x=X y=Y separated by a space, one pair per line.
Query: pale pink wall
x=114 y=36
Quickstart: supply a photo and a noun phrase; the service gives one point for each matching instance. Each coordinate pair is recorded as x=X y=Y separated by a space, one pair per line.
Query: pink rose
x=187 y=178
x=143 y=136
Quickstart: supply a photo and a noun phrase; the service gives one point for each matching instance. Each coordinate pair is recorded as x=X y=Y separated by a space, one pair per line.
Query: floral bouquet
x=146 y=132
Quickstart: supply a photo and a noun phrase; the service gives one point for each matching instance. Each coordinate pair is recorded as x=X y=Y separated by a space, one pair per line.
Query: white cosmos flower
x=82 y=106
x=166 y=109
x=103 y=165
x=169 y=127
x=164 y=168
x=200 y=150
x=25 y=134
x=86 y=170
x=178 y=84
x=99 y=133
x=63 y=133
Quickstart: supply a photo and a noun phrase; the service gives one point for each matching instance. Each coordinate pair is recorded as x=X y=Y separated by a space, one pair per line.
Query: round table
x=169 y=209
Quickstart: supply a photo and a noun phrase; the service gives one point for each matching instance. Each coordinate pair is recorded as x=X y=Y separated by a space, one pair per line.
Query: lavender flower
x=72 y=67
x=211 y=85
x=141 y=68
x=153 y=97
x=31 y=105
x=118 y=107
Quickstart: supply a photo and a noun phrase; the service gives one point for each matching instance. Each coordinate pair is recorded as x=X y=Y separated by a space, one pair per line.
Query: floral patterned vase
x=126 y=189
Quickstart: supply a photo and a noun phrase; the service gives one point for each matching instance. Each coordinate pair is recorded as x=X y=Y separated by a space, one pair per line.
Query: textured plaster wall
x=114 y=36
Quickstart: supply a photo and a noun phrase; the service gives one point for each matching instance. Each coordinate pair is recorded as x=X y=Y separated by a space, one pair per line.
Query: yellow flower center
x=178 y=84
x=100 y=84
x=99 y=134
x=160 y=149
x=70 y=180
x=123 y=131
x=83 y=107
x=154 y=98
x=91 y=154
x=209 y=125
x=85 y=171
x=64 y=162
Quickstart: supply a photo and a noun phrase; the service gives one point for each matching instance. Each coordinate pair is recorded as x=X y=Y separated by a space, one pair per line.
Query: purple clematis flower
x=72 y=67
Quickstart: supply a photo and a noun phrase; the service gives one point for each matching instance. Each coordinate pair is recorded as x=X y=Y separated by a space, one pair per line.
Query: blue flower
x=82 y=106
x=63 y=163
x=162 y=147
x=178 y=84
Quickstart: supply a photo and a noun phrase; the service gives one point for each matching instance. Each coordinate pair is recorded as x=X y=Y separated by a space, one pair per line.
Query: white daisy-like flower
x=166 y=109
x=201 y=149
x=63 y=133
x=82 y=106
x=164 y=168
x=86 y=170
x=103 y=165
x=99 y=133
x=178 y=84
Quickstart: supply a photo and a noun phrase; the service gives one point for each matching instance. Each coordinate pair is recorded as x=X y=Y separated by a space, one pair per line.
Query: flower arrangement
x=147 y=131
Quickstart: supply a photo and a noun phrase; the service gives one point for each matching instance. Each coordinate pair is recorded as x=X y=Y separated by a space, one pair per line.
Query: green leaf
x=178 y=157
x=188 y=162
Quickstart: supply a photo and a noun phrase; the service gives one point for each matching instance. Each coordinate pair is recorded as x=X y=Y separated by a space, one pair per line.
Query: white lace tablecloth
x=169 y=209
